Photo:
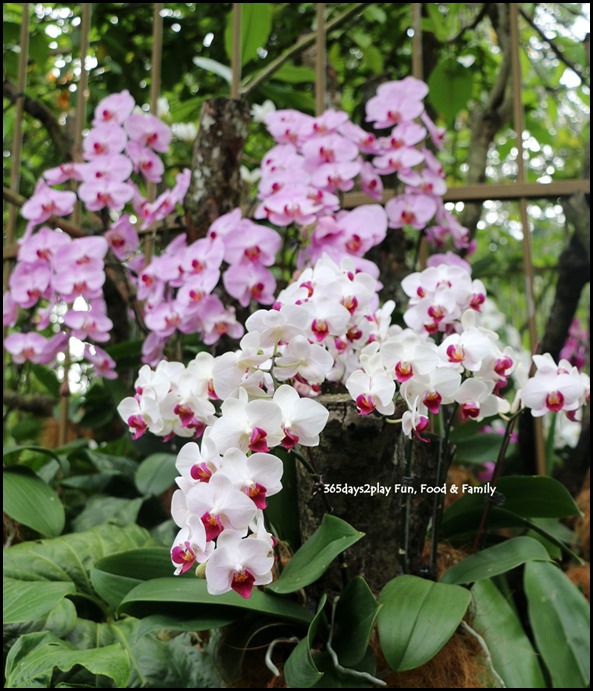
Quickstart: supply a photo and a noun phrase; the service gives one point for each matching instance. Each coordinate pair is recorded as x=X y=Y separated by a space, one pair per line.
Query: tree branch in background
x=36 y=403
x=472 y=25
x=298 y=47
x=487 y=120
x=557 y=52
x=41 y=112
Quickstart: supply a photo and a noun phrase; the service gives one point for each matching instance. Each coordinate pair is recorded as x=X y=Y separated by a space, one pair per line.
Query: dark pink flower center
x=257 y=494
x=403 y=371
x=555 y=401
x=257 y=442
x=365 y=404
x=242 y=582
x=212 y=525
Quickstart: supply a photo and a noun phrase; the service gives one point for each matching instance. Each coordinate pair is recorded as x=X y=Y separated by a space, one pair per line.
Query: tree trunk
x=368 y=453
x=215 y=187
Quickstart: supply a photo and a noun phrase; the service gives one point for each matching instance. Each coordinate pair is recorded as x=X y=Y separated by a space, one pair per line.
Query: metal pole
x=320 y=60
x=518 y=120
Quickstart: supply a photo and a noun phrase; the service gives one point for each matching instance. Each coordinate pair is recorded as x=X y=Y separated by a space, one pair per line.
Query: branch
x=53 y=222
x=472 y=25
x=35 y=403
x=557 y=52
x=297 y=47
x=41 y=112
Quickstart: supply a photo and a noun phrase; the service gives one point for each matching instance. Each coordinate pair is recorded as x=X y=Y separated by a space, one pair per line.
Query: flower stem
x=497 y=472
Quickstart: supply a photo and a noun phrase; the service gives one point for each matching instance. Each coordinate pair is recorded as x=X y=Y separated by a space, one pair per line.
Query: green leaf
x=109 y=463
x=417 y=619
x=513 y=656
x=256 y=26
x=560 y=619
x=300 y=669
x=47 y=377
x=156 y=473
x=69 y=558
x=30 y=501
x=294 y=74
x=335 y=679
x=213 y=66
x=114 y=576
x=12 y=450
x=29 y=601
x=165 y=592
x=496 y=560
x=33 y=658
x=480 y=448
x=103 y=509
x=313 y=559
x=356 y=612
x=165 y=622
x=537 y=497
x=450 y=88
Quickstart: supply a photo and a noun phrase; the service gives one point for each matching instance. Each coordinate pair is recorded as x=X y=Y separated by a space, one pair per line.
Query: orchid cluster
x=447 y=357
x=317 y=158
x=312 y=334
x=61 y=278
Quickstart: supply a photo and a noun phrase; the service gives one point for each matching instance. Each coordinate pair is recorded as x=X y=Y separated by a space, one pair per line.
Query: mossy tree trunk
x=368 y=453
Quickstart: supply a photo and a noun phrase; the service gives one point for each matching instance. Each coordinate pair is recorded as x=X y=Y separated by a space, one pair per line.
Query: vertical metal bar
x=17 y=139
x=155 y=89
x=320 y=60
x=82 y=97
x=418 y=72
x=417 y=65
x=82 y=91
x=15 y=155
x=236 y=52
x=518 y=120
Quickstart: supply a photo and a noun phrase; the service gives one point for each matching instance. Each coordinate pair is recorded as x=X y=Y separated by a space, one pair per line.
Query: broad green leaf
x=113 y=577
x=104 y=509
x=12 y=450
x=356 y=612
x=213 y=66
x=158 y=596
x=111 y=464
x=560 y=619
x=30 y=501
x=479 y=448
x=29 y=601
x=294 y=74
x=313 y=559
x=33 y=658
x=69 y=558
x=532 y=497
x=300 y=669
x=165 y=622
x=47 y=377
x=417 y=619
x=499 y=518
x=450 y=88
x=156 y=473
x=256 y=26
x=513 y=656
x=496 y=560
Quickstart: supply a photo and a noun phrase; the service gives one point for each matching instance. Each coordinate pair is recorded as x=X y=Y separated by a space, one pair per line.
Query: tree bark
x=366 y=452
x=215 y=187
